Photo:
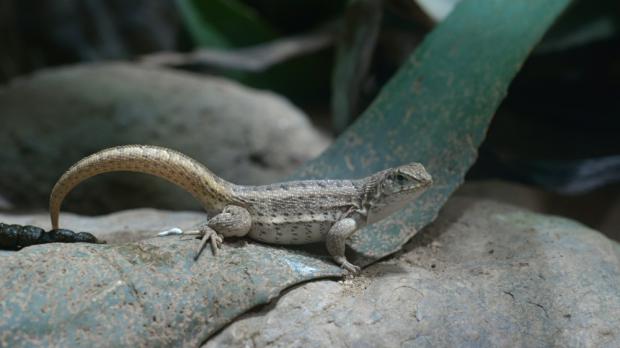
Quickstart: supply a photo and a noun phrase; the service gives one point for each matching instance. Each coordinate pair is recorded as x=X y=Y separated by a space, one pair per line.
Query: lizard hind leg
x=233 y=221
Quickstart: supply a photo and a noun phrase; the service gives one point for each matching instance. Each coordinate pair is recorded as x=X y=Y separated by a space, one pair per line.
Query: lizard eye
x=400 y=178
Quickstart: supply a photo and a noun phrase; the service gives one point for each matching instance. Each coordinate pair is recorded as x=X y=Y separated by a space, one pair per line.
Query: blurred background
x=253 y=88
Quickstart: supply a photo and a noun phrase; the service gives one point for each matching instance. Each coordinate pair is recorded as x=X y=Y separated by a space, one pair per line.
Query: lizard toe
x=351 y=267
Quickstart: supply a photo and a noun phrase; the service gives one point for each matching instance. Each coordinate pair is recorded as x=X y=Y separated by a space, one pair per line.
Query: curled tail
x=213 y=192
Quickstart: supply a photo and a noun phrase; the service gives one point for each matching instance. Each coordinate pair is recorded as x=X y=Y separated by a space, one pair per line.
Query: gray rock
x=147 y=293
x=124 y=226
x=56 y=117
x=484 y=274
x=599 y=209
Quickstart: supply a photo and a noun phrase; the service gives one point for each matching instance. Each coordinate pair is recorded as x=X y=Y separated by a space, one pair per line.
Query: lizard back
x=297 y=212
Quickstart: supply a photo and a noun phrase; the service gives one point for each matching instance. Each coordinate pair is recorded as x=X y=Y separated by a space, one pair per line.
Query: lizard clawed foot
x=351 y=267
x=209 y=235
x=347 y=265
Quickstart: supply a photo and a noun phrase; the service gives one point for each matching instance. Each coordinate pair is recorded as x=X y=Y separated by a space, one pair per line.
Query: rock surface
x=125 y=226
x=147 y=293
x=599 y=209
x=56 y=117
x=484 y=274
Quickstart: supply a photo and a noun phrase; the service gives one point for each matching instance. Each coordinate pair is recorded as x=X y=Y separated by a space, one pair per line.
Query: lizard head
x=395 y=187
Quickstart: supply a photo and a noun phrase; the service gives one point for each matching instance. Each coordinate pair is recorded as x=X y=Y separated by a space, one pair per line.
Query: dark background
x=557 y=132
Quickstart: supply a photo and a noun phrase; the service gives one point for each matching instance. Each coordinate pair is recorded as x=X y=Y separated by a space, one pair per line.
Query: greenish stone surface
x=149 y=293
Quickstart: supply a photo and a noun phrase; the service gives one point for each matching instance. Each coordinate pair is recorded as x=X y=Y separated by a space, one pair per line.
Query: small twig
x=253 y=59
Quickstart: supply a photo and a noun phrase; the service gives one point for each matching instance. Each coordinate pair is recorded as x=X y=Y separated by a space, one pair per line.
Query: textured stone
x=146 y=293
x=58 y=116
x=484 y=274
x=599 y=209
x=124 y=226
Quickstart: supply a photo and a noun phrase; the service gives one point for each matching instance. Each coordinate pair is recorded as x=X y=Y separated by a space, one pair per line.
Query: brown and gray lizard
x=295 y=212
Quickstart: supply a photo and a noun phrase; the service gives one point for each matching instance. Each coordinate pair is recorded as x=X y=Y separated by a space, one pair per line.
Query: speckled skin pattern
x=294 y=212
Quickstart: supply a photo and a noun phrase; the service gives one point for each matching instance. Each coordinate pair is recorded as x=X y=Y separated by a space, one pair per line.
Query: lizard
x=293 y=212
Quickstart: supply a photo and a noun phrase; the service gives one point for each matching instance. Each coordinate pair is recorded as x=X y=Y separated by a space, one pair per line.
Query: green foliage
x=231 y=24
x=353 y=56
x=585 y=22
x=224 y=23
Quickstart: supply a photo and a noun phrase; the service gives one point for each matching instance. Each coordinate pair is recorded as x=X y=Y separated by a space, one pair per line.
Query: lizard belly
x=291 y=232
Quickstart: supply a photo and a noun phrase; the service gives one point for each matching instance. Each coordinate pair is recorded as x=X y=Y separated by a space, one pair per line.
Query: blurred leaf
x=300 y=15
x=277 y=65
x=224 y=23
x=230 y=24
x=353 y=56
x=585 y=22
x=437 y=10
x=255 y=58
x=302 y=79
x=435 y=111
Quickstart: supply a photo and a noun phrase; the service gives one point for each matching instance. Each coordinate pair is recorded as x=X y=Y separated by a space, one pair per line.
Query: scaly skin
x=295 y=212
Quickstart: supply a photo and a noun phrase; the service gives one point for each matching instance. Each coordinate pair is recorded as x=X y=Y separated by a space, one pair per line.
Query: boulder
x=58 y=116
x=484 y=274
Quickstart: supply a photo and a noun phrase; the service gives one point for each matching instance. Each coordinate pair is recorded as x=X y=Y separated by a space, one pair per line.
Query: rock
x=484 y=274
x=599 y=209
x=125 y=226
x=58 y=116
x=147 y=293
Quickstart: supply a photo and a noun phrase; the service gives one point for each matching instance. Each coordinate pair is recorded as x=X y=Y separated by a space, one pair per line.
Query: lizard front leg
x=233 y=221
x=335 y=242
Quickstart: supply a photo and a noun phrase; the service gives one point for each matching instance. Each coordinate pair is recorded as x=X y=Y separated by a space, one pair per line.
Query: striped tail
x=213 y=192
